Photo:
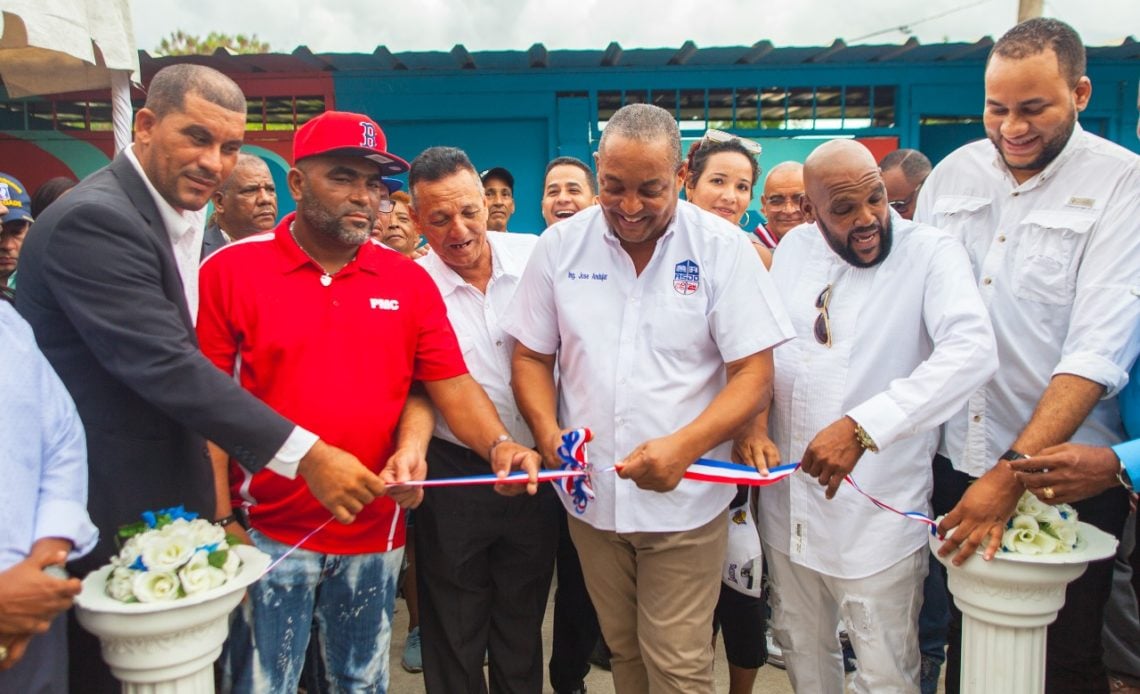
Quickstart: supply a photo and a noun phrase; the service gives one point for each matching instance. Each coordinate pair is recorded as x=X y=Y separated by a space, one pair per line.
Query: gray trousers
x=1121 y=633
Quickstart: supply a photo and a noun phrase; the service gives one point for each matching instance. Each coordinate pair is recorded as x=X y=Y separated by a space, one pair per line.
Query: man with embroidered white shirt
x=661 y=319
x=892 y=338
x=1048 y=214
x=484 y=560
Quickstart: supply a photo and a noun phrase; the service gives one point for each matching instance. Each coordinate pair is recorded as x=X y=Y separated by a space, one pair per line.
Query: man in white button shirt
x=484 y=560
x=661 y=319
x=892 y=337
x=1049 y=216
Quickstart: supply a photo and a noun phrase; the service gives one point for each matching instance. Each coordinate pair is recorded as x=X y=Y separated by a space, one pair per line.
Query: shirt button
x=987 y=280
x=1015 y=193
x=498 y=343
x=977 y=418
x=336 y=303
x=1001 y=239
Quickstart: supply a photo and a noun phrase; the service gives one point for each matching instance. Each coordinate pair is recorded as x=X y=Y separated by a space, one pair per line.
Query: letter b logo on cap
x=367 y=135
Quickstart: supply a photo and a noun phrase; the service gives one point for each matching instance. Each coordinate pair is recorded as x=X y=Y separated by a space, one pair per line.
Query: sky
x=359 y=26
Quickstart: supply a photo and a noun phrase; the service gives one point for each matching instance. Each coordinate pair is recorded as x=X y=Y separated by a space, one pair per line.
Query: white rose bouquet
x=171 y=554
x=1038 y=528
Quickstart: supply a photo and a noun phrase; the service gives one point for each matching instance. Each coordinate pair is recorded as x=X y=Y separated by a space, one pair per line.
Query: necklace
x=326 y=277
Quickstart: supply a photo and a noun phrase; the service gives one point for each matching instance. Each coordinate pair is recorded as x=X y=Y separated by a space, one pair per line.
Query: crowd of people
x=949 y=337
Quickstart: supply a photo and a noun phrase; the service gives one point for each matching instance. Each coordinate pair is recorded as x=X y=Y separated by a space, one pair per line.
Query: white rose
x=199 y=578
x=119 y=583
x=155 y=586
x=1048 y=515
x=1067 y=535
x=128 y=554
x=1021 y=536
x=206 y=533
x=163 y=552
x=232 y=565
x=1030 y=505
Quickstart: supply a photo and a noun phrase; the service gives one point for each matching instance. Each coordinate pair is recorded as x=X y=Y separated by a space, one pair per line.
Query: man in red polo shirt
x=331 y=330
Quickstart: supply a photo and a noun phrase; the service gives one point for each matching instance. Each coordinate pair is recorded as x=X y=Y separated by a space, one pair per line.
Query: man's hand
x=832 y=454
x=509 y=456
x=1071 y=471
x=753 y=447
x=29 y=598
x=658 y=464
x=339 y=480
x=405 y=464
x=980 y=516
x=16 y=646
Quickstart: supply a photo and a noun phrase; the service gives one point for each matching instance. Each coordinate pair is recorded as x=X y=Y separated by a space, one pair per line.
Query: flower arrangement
x=1039 y=528
x=171 y=554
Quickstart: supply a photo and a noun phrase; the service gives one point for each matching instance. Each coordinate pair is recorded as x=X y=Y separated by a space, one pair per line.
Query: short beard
x=328 y=223
x=1049 y=152
x=886 y=235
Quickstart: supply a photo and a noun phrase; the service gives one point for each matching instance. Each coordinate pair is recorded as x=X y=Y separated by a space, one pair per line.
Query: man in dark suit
x=245 y=204
x=109 y=285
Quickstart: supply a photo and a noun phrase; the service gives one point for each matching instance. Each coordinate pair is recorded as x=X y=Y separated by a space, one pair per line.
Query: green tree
x=181 y=43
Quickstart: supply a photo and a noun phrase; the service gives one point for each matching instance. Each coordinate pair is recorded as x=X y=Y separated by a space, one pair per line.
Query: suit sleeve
x=105 y=271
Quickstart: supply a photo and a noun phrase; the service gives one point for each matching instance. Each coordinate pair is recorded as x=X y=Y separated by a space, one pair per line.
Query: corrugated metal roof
x=537 y=57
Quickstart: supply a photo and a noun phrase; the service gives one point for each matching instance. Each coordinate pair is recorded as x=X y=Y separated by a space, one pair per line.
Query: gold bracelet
x=865 y=439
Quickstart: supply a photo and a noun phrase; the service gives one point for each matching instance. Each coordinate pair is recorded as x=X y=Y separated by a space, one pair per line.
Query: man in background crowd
x=245 y=204
x=499 y=189
x=16 y=222
x=904 y=171
x=780 y=202
x=568 y=188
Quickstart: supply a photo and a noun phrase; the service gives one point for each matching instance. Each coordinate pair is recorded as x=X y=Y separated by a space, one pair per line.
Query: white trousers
x=880 y=613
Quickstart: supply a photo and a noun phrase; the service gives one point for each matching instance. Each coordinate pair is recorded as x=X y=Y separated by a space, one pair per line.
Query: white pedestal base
x=169 y=647
x=1006 y=606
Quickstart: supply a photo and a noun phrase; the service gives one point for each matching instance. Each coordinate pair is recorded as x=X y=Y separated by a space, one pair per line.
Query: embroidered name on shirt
x=686 y=277
x=384 y=304
x=596 y=276
x=1084 y=203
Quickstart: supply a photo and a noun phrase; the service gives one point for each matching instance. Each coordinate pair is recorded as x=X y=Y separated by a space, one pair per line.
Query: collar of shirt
x=502 y=264
x=178 y=223
x=1076 y=140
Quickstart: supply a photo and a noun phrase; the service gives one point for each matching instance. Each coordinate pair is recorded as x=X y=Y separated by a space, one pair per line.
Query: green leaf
x=128 y=531
x=217 y=559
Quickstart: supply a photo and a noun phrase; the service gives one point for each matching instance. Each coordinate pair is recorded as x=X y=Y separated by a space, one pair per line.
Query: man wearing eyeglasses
x=245 y=204
x=904 y=171
x=893 y=337
x=780 y=202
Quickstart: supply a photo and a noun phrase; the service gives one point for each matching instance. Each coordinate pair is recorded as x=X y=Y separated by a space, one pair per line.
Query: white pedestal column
x=169 y=647
x=1006 y=606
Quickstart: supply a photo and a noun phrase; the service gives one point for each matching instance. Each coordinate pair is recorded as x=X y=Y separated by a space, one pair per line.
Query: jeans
x=351 y=599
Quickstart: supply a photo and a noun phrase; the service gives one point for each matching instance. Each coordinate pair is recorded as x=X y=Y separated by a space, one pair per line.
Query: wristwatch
x=1012 y=455
x=865 y=439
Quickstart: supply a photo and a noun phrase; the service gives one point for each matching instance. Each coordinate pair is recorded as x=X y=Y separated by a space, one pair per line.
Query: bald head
x=844 y=192
x=780 y=201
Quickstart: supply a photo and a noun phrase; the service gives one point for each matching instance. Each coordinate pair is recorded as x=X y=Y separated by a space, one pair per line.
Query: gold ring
x=3 y=653
x=1048 y=492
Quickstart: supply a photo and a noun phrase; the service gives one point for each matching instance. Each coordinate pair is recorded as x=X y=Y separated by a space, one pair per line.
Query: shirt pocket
x=956 y=214
x=1045 y=267
x=679 y=326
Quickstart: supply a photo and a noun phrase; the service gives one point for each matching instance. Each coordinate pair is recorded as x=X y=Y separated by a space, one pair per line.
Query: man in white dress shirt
x=661 y=319
x=484 y=560
x=892 y=337
x=1050 y=217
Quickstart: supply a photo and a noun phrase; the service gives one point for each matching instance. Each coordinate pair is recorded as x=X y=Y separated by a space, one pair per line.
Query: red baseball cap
x=346 y=134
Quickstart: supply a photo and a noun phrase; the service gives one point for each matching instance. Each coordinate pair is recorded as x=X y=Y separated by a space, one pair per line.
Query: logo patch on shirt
x=1083 y=203
x=384 y=304
x=686 y=277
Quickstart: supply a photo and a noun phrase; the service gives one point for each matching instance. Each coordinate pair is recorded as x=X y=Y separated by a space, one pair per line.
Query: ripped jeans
x=351 y=598
x=880 y=613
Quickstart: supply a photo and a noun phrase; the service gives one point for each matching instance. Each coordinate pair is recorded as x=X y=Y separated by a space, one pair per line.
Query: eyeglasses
x=904 y=204
x=750 y=146
x=386 y=205
x=779 y=201
x=822 y=327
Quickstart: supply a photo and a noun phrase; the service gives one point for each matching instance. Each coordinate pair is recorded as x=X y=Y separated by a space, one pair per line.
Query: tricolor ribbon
x=575 y=478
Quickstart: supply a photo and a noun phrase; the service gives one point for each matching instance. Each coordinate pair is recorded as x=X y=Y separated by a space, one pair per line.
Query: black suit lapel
x=137 y=192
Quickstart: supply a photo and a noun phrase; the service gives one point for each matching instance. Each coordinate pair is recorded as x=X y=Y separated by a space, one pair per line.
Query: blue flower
x=150 y=518
x=138 y=564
